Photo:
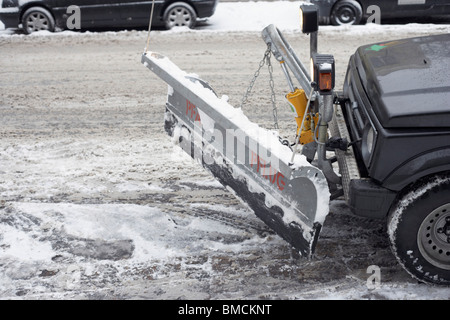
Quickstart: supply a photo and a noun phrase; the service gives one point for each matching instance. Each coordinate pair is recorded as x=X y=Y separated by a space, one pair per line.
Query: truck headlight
x=370 y=140
x=368 y=143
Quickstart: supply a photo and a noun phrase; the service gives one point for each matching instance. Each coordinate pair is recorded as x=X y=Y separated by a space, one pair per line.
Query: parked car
x=51 y=15
x=338 y=12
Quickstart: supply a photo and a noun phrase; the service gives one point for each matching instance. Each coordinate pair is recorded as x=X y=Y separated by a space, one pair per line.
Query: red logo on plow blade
x=226 y=143
x=267 y=171
x=192 y=111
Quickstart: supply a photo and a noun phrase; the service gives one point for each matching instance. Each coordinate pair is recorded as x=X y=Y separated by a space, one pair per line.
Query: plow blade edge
x=291 y=198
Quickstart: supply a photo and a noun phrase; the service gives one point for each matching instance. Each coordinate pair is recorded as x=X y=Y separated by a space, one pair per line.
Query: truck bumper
x=368 y=199
x=363 y=195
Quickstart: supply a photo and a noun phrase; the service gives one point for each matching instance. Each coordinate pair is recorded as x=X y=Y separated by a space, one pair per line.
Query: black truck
x=396 y=108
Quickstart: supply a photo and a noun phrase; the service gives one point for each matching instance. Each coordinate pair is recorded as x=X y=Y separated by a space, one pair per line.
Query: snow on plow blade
x=292 y=199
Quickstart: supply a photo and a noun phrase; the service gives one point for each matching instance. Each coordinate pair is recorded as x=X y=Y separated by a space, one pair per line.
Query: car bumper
x=204 y=8
x=9 y=17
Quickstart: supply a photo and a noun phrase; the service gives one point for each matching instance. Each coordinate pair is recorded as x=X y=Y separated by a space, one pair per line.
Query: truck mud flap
x=291 y=198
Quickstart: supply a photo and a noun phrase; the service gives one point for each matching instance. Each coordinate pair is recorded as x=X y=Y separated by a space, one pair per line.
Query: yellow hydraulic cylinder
x=298 y=101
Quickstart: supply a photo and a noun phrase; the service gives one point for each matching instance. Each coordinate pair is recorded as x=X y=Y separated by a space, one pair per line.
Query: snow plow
x=390 y=154
x=244 y=157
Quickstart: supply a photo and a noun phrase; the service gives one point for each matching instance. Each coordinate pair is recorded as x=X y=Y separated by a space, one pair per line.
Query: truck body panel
x=399 y=90
x=407 y=81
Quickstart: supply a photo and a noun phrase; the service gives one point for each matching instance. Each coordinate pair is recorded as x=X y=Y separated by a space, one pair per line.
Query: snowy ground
x=96 y=203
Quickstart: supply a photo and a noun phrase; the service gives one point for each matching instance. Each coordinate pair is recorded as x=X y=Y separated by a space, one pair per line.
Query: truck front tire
x=419 y=230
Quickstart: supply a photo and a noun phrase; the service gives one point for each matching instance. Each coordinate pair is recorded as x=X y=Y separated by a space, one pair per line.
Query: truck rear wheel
x=419 y=230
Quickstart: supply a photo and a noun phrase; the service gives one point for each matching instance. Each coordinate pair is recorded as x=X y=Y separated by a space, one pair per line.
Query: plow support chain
x=291 y=198
x=282 y=51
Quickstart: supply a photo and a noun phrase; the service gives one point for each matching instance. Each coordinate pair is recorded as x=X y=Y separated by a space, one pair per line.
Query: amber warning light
x=323 y=73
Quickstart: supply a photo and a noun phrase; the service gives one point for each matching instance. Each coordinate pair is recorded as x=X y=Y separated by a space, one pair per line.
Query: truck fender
x=423 y=165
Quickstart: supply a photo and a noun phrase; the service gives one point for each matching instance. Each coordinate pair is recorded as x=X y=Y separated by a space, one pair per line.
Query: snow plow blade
x=291 y=198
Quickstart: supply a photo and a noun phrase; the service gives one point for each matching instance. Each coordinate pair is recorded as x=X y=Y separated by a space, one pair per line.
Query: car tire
x=419 y=230
x=346 y=12
x=179 y=14
x=37 y=19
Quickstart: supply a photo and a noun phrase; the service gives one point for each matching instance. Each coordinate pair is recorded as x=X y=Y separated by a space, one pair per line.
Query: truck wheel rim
x=434 y=237
x=179 y=17
x=37 y=22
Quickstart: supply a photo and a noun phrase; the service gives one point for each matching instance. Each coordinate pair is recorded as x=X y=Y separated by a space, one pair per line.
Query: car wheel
x=179 y=14
x=346 y=12
x=419 y=230
x=37 y=19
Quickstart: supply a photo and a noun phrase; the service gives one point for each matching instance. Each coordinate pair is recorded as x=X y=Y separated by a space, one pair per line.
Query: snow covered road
x=97 y=203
